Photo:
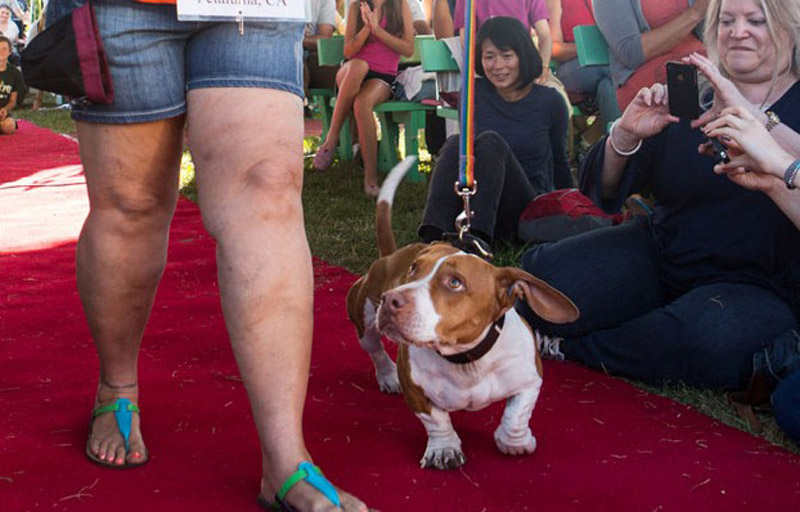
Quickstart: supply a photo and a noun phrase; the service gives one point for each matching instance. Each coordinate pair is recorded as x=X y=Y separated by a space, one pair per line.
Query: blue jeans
x=786 y=404
x=633 y=324
x=593 y=81
x=154 y=59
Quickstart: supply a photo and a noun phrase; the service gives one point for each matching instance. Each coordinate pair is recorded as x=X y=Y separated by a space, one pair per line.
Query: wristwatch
x=772 y=120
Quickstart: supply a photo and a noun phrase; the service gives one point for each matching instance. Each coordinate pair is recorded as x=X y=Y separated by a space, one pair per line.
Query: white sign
x=286 y=10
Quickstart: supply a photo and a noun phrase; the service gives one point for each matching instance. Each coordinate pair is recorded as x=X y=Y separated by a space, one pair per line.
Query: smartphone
x=369 y=3
x=720 y=150
x=682 y=89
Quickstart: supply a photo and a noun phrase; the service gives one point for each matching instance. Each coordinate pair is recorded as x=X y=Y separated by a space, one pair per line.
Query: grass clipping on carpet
x=340 y=222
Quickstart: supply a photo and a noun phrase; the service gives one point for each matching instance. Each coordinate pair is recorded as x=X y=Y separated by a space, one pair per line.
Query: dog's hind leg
x=385 y=369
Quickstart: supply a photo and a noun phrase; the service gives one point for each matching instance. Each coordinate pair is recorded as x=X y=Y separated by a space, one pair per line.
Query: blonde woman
x=693 y=292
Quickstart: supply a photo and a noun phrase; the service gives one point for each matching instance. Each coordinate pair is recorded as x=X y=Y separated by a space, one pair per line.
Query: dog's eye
x=454 y=283
x=412 y=269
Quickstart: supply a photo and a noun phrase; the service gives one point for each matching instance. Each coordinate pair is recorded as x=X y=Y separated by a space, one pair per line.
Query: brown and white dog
x=462 y=345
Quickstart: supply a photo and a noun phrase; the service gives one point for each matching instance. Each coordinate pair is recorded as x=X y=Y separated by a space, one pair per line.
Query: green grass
x=341 y=230
x=55 y=119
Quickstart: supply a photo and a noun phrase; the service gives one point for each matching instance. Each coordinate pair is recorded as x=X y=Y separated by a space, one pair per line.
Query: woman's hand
x=699 y=9
x=644 y=117
x=757 y=161
x=370 y=17
x=725 y=92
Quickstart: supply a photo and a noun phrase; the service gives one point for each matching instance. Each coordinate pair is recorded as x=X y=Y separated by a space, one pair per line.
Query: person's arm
x=442 y=20
x=542 y=29
x=422 y=28
x=644 y=117
x=418 y=18
x=403 y=45
x=324 y=31
x=562 y=175
x=19 y=13
x=354 y=41
x=757 y=160
x=787 y=200
x=617 y=22
x=727 y=95
x=12 y=102
x=658 y=41
x=325 y=22
x=562 y=51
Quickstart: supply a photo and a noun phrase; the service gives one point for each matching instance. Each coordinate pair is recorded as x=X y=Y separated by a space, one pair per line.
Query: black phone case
x=682 y=90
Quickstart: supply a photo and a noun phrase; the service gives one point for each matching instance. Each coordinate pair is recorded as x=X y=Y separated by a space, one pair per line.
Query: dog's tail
x=383 y=213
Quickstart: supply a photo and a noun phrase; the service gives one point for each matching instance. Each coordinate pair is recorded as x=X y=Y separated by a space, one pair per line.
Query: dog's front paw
x=514 y=445
x=448 y=457
x=387 y=379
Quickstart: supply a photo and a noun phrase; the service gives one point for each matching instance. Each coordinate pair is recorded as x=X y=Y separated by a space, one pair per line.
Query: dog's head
x=451 y=298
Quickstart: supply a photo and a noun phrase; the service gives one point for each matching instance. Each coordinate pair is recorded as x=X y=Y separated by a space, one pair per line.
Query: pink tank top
x=378 y=56
x=657 y=13
x=575 y=12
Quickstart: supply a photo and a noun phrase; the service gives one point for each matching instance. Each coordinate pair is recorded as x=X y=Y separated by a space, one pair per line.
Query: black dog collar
x=482 y=348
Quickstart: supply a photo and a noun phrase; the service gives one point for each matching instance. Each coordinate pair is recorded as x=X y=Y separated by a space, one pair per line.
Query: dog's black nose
x=393 y=300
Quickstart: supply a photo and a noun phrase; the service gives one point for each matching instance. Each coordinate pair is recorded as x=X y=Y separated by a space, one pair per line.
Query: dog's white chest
x=508 y=368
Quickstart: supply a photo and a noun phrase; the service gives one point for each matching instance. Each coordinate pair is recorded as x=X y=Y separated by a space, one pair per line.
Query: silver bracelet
x=614 y=146
x=791 y=174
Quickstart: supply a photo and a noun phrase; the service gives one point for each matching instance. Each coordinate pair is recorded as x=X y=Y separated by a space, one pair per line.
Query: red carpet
x=603 y=445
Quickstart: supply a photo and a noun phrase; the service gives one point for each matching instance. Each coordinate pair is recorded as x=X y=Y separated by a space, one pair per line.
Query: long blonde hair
x=780 y=15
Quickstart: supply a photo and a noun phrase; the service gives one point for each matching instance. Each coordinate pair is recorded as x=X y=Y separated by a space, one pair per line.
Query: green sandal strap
x=114 y=408
x=122 y=409
x=314 y=477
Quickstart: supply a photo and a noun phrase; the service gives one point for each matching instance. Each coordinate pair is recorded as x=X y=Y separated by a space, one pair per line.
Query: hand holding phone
x=682 y=90
x=718 y=150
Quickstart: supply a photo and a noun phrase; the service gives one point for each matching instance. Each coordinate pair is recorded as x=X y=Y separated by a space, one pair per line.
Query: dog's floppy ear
x=547 y=302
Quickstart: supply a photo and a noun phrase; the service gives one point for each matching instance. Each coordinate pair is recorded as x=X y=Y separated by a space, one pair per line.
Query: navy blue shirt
x=535 y=127
x=707 y=228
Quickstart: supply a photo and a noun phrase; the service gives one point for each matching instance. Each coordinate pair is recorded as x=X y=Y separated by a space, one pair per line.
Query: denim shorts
x=155 y=59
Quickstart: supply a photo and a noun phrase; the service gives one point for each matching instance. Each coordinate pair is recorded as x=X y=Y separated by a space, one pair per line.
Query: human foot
x=372 y=190
x=116 y=413
x=308 y=490
x=323 y=159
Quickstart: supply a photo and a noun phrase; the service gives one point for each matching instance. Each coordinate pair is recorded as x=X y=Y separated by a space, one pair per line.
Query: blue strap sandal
x=313 y=476
x=123 y=410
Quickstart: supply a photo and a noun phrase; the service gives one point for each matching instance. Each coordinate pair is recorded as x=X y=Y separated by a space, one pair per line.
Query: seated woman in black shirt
x=520 y=146
x=714 y=276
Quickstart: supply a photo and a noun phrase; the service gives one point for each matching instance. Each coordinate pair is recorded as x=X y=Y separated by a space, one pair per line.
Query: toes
x=352 y=504
x=118 y=455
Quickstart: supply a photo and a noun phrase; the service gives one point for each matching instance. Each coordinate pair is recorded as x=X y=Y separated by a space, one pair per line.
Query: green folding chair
x=592 y=47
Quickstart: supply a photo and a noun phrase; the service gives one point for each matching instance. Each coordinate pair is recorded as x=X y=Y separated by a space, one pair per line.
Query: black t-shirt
x=707 y=228
x=10 y=81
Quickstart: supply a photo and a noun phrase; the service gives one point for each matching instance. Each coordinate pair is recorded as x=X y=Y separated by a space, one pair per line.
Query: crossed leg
x=372 y=93
x=249 y=180
x=348 y=79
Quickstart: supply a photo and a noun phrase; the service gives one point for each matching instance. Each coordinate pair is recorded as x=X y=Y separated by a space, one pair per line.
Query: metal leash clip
x=466 y=241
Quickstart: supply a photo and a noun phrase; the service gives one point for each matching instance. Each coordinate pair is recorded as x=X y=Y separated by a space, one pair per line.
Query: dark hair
x=392 y=11
x=510 y=34
x=4 y=39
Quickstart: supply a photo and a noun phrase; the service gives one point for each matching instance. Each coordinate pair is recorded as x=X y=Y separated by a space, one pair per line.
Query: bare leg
x=349 y=79
x=373 y=92
x=132 y=177
x=248 y=157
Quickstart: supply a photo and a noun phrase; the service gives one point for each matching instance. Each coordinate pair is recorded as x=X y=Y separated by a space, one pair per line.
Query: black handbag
x=67 y=58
